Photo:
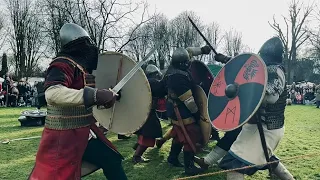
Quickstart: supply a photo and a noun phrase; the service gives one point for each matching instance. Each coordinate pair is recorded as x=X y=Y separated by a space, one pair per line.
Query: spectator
x=299 y=98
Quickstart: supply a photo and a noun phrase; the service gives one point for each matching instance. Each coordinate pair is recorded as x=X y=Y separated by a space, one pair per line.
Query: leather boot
x=201 y=163
x=189 y=168
x=174 y=154
x=160 y=142
x=137 y=157
x=235 y=176
x=281 y=172
x=214 y=135
x=123 y=137
x=214 y=156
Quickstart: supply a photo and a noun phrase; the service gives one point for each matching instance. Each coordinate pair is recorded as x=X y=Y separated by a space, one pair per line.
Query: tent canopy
x=214 y=69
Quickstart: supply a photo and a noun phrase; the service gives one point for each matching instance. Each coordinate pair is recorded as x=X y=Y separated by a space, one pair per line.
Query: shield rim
x=206 y=140
x=149 y=93
x=213 y=77
x=262 y=96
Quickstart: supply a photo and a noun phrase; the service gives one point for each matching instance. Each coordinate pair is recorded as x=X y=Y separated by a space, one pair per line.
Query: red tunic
x=161 y=105
x=60 y=152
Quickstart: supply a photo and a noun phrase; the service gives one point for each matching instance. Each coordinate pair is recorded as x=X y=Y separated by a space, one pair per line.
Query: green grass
x=302 y=137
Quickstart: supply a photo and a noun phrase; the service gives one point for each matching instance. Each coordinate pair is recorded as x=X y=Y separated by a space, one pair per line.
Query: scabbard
x=263 y=143
x=176 y=110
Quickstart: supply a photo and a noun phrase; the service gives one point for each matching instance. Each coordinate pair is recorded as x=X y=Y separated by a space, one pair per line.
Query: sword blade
x=204 y=38
x=125 y=79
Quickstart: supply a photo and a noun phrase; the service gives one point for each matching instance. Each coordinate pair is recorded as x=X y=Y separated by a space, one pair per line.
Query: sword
x=7 y=141
x=125 y=79
x=204 y=38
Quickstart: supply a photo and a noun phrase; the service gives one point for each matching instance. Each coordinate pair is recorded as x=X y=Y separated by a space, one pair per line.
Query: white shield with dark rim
x=131 y=112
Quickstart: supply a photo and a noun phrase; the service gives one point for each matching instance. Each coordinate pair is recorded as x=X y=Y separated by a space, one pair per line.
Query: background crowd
x=305 y=93
x=22 y=93
x=18 y=93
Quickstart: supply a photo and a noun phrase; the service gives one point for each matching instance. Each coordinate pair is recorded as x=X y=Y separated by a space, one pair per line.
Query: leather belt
x=64 y=118
x=186 y=121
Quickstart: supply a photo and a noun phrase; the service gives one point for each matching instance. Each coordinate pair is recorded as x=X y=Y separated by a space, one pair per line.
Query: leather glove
x=100 y=97
x=222 y=58
x=105 y=98
x=205 y=50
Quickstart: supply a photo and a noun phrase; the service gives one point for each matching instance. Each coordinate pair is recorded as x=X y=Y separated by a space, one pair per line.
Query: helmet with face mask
x=153 y=71
x=272 y=51
x=181 y=59
x=77 y=44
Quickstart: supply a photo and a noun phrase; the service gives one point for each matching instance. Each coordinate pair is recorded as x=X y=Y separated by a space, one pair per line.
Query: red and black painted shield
x=201 y=75
x=237 y=92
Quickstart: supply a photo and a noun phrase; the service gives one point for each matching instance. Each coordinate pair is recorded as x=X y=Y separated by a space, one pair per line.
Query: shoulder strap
x=72 y=61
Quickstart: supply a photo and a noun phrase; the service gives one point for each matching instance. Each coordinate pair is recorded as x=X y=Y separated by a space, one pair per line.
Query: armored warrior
x=247 y=149
x=224 y=144
x=70 y=94
x=192 y=51
x=152 y=128
x=182 y=111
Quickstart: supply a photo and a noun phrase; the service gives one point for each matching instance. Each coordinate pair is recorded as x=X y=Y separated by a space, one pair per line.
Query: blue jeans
x=318 y=104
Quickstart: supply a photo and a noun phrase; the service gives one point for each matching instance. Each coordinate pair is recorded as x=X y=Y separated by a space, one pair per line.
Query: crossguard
x=114 y=93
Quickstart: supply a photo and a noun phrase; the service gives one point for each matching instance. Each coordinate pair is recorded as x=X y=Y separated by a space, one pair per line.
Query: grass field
x=302 y=137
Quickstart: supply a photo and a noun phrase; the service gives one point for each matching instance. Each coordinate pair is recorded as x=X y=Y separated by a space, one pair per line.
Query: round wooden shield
x=202 y=75
x=131 y=111
x=237 y=92
x=205 y=123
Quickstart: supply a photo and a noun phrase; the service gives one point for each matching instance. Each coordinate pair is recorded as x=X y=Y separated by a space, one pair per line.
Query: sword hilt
x=114 y=92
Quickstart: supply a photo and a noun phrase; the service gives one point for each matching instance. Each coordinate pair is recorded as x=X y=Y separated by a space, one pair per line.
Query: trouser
x=99 y=154
x=227 y=140
x=146 y=141
x=318 y=104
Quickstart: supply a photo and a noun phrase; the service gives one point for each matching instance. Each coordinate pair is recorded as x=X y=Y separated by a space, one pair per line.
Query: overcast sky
x=250 y=17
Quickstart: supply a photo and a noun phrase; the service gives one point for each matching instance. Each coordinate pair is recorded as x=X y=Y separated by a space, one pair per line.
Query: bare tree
x=26 y=39
x=160 y=28
x=213 y=34
x=147 y=36
x=2 y=34
x=314 y=51
x=233 y=44
x=294 y=34
x=137 y=48
x=110 y=23
x=54 y=18
x=182 y=31
x=19 y=13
